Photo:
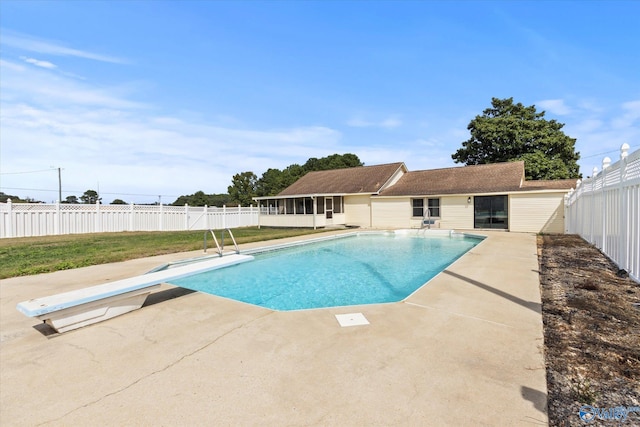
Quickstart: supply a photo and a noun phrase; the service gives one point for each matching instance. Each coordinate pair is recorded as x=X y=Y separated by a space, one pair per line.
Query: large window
x=491 y=212
x=418 y=207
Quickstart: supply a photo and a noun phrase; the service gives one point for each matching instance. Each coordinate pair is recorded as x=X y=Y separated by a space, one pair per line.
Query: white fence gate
x=38 y=219
x=605 y=210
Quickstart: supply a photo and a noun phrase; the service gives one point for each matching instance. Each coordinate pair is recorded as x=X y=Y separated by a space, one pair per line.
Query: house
x=492 y=196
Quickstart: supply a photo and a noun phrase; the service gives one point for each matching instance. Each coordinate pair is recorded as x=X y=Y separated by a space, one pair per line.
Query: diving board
x=71 y=310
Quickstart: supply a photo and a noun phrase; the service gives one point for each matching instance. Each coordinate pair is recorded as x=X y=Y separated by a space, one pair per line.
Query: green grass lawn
x=34 y=255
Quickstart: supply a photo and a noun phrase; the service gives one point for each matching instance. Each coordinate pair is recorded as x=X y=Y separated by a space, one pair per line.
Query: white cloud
x=41 y=87
x=387 y=123
x=32 y=44
x=630 y=115
x=555 y=106
x=38 y=63
x=100 y=135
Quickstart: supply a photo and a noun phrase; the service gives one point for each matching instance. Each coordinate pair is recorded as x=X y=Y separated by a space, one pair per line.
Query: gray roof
x=490 y=178
x=363 y=179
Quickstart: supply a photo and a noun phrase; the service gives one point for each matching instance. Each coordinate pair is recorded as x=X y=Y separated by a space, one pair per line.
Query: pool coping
x=465 y=349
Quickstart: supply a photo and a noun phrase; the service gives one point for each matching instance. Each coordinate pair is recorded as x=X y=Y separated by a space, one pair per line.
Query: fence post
x=206 y=218
x=9 y=221
x=131 y=216
x=186 y=216
x=160 y=222
x=624 y=214
x=58 y=220
x=594 y=176
x=606 y=162
x=224 y=216
x=97 y=224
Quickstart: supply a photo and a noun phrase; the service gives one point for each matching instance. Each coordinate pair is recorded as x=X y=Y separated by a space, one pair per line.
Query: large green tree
x=243 y=188
x=508 y=132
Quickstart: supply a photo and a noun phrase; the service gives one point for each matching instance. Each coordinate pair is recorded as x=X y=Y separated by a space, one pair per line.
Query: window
x=418 y=207
x=308 y=205
x=289 y=206
x=337 y=204
x=434 y=207
x=320 y=204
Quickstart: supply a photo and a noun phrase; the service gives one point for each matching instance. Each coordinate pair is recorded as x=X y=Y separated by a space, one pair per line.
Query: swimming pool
x=362 y=268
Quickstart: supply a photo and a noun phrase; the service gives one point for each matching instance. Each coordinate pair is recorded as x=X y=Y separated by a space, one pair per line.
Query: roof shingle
x=363 y=179
x=490 y=178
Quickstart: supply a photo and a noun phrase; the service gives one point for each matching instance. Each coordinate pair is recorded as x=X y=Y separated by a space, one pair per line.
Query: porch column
x=315 y=210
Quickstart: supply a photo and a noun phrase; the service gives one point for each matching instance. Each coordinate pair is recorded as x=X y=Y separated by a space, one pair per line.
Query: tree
x=509 y=132
x=199 y=198
x=72 y=200
x=90 y=197
x=243 y=188
x=118 y=202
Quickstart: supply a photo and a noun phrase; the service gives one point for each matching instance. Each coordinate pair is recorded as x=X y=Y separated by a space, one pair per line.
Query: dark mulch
x=591 y=331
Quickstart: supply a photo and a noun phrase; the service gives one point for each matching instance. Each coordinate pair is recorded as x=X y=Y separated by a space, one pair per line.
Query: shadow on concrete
x=45 y=329
x=166 y=295
x=152 y=299
x=534 y=306
x=538 y=398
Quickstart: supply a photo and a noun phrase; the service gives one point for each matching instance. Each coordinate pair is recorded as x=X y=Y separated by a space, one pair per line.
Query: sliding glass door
x=491 y=212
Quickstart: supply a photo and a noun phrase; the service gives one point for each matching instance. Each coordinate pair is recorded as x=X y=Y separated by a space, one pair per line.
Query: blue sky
x=144 y=98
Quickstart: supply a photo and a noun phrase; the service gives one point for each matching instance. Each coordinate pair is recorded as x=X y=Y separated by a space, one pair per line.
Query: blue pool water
x=359 y=269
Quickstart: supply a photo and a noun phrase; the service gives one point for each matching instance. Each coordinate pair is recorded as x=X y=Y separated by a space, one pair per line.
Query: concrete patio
x=466 y=349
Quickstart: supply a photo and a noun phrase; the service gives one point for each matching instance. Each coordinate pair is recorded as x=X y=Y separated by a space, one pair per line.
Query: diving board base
x=96 y=311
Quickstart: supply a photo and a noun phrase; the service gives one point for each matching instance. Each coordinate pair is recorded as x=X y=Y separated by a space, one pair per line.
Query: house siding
x=357 y=210
x=456 y=212
x=291 y=221
x=393 y=213
x=537 y=212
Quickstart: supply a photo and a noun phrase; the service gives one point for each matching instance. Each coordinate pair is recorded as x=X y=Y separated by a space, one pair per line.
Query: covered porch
x=313 y=211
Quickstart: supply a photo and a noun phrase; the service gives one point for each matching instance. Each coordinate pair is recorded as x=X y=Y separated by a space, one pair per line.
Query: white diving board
x=74 y=309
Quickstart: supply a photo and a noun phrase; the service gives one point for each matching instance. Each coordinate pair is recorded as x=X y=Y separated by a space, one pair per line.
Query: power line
x=606 y=152
x=25 y=172
x=80 y=191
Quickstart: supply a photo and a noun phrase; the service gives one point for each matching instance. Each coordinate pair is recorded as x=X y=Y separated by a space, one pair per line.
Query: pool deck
x=466 y=349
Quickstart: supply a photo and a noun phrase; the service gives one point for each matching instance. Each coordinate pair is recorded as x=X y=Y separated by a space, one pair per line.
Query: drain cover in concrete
x=352 y=319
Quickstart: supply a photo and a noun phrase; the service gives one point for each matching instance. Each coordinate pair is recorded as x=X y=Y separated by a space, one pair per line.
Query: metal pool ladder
x=220 y=248
x=426 y=219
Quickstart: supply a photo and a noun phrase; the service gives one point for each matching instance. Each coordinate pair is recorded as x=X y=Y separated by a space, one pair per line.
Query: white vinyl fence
x=605 y=210
x=38 y=219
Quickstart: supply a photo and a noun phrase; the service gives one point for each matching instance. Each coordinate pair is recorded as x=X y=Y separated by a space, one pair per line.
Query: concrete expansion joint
x=459 y=314
x=149 y=375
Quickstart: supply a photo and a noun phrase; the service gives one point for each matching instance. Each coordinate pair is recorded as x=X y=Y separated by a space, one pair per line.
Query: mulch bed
x=591 y=331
